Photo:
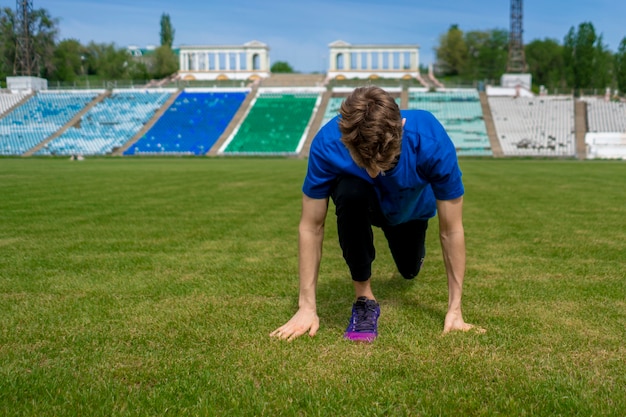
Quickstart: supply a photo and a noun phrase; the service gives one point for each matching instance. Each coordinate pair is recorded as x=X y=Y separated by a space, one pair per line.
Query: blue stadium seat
x=191 y=125
x=109 y=124
x=37 y=119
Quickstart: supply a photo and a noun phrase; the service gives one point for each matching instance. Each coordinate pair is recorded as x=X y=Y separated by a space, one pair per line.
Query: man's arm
x=311 y=237
x=452 y=237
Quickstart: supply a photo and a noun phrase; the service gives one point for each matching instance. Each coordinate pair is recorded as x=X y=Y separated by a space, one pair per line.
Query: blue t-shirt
x=427 y=169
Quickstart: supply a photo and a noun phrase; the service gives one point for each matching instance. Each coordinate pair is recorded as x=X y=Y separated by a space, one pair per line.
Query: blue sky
x=299 y=31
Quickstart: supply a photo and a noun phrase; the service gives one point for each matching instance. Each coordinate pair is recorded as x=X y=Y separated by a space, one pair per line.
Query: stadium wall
x=605 y=145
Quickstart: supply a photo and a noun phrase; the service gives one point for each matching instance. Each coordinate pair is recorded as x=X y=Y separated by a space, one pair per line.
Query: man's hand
x=454 y=321
x=300 y=323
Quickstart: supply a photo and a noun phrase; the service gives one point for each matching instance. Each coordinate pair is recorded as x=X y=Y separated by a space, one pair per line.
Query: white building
x=373 y=61
x=249 y=61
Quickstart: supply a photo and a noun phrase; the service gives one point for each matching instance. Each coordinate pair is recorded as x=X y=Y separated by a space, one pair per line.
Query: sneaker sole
x=360 y=337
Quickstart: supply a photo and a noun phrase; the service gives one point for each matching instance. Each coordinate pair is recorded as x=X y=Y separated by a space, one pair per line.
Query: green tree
x=487 y=53
x=165 y=62
x=568 y=56
x=108 y=61
x=44 y=32
x=620 y=66
x=452 y=52
x=167 y=31
x=579 y=55
x=602 y=74
x=7 y=42
x=545 y=62
x=68 y=61
x=138 y=70
x=281 y=67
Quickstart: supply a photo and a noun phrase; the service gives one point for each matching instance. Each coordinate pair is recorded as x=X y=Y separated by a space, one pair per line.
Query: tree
x=138 y=70
x=165 y=62
x=620 y=66
x=7 y=42
x=452 y=52
x=281 y=67
x=568 y=56
x=68 y=61
x=44 y=33
x=602 y=74
x=108 y=61
x=44 y=39
x=578 y=55
x=167 y=31
x=487 y=53
x=545 y=62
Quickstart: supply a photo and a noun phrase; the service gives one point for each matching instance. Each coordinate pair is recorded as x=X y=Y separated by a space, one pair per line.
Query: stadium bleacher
x=606 y=116
x=281 y=120
x=332 y=109
x=109 y=124
x=8 y=100
x=535 y=126
x=38 y=118
x=460 y=112
x=276 y=123
x=192 y=124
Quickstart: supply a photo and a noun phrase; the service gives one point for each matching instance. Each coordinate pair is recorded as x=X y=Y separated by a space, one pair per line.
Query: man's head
x=371 y=128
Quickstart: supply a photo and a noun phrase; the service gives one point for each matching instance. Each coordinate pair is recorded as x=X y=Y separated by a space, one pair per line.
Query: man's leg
x=407 y=243
x=357 y=209
x=363 y=289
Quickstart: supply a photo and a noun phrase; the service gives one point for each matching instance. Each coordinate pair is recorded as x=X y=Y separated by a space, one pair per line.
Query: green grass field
x=148 y=287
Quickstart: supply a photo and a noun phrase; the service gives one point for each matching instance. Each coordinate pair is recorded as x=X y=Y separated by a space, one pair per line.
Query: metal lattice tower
x=25 y=59
x=517 y=59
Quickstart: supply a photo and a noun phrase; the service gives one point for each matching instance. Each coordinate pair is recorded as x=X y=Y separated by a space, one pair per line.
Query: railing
x=91 y=83
x=103 y=84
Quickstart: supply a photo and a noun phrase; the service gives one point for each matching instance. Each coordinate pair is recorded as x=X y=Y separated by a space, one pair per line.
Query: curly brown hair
x=371 y=128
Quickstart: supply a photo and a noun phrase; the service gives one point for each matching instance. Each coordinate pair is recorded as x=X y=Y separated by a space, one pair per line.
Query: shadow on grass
x=397 y=296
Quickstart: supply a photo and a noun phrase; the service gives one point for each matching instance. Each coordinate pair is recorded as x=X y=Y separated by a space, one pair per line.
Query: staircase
x=490 y=126
x=581 y=128
x=73 y=121
x=235 y=121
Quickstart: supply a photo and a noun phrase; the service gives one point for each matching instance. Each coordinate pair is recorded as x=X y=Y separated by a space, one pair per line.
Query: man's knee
x=412 y=272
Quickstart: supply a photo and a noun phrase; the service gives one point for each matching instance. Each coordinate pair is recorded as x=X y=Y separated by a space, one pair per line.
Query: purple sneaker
x=363 y=326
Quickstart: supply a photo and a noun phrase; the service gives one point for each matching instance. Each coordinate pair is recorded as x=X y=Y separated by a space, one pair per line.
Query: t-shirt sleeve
x=320 y=173
x=441 y=167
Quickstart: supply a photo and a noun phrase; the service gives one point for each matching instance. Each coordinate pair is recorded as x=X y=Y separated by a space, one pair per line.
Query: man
x=385 y=168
